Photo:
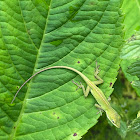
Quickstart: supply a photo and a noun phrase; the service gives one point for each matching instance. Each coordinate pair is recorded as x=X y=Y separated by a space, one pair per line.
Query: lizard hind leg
x=85 y=91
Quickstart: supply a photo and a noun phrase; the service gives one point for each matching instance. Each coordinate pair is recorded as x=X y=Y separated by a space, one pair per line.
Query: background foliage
x=42 y=33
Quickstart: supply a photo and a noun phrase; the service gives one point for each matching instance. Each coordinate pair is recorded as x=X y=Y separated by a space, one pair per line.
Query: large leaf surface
x=38 y=33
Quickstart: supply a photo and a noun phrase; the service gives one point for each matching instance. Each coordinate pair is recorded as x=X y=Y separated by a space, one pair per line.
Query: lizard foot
x=78 y=85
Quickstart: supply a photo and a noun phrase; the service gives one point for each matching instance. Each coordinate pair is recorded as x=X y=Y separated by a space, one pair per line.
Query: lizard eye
x=113 y=121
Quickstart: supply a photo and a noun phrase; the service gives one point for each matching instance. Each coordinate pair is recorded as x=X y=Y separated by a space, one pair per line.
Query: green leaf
x=36 y=34
x=134 y=70
x=131 y=50
x=135 y=125
x=131 y=61
x=131 y=22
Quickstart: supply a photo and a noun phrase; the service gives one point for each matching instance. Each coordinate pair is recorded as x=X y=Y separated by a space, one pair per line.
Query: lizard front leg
x=100 y=109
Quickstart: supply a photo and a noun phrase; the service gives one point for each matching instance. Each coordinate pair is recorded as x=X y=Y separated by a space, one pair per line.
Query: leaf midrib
x=26 y=95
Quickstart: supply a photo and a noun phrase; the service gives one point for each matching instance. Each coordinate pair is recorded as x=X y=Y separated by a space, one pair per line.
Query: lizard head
x=114 y=117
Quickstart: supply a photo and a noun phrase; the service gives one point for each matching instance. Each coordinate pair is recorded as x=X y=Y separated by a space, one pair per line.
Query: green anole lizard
x=112 y=115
